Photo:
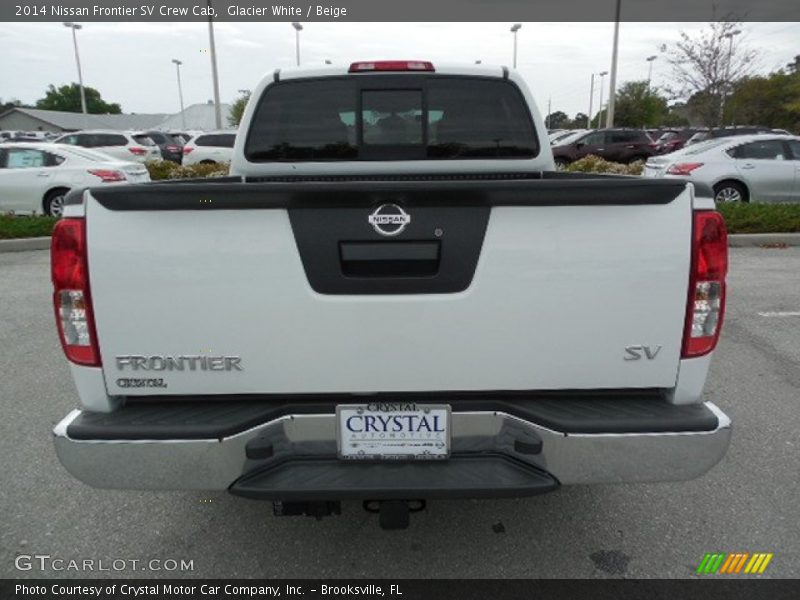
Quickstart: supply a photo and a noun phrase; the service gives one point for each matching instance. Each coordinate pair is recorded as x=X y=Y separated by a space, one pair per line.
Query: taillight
x=391 y=65
x=137 y=150
x=71 y=297
x=108 y=175
x=706 y=303
x=187 y=149
x=683 y=168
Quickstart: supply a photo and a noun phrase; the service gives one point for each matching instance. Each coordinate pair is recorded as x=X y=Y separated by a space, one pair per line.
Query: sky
x=130 y=62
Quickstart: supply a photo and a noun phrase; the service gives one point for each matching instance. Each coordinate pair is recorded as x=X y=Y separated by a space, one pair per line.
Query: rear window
x=704 y=145
x=143 y=140
x=159 y=138
x=89 y=154
x=377 y=117
x=620 y=137
x=99 y=140
x=220 y=140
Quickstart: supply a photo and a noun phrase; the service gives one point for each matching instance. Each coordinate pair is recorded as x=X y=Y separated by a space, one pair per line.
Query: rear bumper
x=515 y=450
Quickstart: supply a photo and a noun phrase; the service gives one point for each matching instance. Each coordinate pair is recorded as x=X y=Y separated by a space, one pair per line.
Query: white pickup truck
x=394 y=297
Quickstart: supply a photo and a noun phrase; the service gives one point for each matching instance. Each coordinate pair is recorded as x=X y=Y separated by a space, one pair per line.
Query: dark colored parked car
x=618 y=145
x=675 y=139
x=171 y=146
x=720 y=132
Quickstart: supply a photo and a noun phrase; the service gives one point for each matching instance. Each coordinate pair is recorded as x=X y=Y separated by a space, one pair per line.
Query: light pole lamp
x=650 y=60
x=75 y=27
x=214 y=70
x=600 y=107
x=514 y=29
x=178 y=64
x=612 y=83
x=297 y=29
x=723 y=88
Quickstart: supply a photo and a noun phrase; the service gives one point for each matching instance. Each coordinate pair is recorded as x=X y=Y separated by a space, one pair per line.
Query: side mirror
x=580 y=145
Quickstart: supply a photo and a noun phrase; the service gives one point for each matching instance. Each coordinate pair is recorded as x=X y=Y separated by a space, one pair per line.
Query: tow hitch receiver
x=394 y=514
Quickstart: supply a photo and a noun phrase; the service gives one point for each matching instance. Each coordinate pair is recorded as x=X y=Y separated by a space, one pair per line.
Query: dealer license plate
x=393 y=431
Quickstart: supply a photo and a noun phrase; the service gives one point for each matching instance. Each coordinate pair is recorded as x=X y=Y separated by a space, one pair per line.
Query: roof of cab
x=335 y=70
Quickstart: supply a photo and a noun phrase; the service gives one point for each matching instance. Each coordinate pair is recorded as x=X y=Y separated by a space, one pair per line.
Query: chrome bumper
x=215 y=464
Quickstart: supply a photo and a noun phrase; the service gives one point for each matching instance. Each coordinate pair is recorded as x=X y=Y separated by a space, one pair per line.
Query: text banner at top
x=400 y=10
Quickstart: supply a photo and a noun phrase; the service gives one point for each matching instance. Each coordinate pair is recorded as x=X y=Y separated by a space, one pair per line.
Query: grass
x=14 y=226
x=761 y=218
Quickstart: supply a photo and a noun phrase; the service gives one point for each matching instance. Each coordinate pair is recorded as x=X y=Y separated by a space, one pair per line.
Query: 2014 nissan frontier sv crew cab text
x=394 y=297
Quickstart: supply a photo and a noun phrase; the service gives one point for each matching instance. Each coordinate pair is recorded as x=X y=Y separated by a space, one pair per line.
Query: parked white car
x=34 y=178
x=209 y=148
x=121 y=145
x=758 y=168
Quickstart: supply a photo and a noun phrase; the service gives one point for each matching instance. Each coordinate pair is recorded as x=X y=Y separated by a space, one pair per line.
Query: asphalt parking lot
x=748 y=503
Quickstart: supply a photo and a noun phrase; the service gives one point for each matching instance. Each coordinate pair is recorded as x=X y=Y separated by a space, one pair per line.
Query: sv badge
x=639 y=352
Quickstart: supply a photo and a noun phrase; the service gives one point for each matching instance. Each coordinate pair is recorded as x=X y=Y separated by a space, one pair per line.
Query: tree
x=67 y=98
x=794 y=66
x=9 y=104
x=771 y=101
x=637 y=105
x=557 y=120
x=709 y=63
x=677 y=116
x=579 y=121
x=237 y=109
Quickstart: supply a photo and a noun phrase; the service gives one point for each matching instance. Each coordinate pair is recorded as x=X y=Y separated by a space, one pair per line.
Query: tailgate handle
x=390 y=259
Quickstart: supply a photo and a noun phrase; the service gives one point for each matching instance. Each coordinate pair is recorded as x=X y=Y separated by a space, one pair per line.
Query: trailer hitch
x=394 y=514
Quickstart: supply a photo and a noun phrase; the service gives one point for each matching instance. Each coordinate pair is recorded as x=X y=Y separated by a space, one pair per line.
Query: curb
x=737 y=240
x=25 y=244
x=743 y=240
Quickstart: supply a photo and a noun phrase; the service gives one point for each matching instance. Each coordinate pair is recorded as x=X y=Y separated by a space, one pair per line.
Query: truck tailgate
x=493 y=285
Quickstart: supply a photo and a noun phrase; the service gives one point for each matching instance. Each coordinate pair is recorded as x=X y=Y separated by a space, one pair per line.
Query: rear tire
x=208 y=162
x=561 y=164
x=53 y=204
x=730 y=192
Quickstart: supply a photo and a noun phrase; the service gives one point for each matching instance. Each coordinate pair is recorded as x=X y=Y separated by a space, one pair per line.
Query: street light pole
x=612 y=91
x=589 y=117
x=75 y=27
x=600 y=108
x=650 y=60
x=178 y=64
x=297 y=29
x=514 y=29
x=549 y=110
x=214 y=73
x=730 y=35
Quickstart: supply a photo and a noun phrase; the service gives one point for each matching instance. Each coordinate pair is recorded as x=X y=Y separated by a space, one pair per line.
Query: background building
x=194 y=117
